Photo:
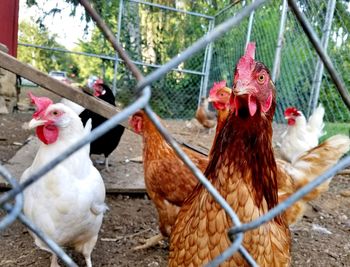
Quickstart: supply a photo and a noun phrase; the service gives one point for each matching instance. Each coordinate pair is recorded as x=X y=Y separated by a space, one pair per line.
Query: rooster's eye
x=55 y=112
x=261 y=78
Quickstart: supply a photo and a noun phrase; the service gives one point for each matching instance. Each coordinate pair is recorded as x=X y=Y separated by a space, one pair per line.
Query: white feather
x=315 y=123
x=74 y=106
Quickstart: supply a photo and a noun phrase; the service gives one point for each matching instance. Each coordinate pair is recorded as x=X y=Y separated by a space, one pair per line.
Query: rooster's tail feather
x=316 y=121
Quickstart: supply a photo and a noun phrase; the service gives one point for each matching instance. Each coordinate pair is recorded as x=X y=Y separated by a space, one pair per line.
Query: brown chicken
x=292 y=176
x=244 y=171
x=204 y=116
x=168 y=181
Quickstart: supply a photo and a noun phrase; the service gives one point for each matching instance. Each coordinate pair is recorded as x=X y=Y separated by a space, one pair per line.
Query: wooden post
x=9 y=24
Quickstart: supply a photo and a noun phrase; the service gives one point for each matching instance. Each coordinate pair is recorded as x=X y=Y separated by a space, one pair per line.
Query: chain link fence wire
x=148 y=40
x=298 y=58
x=142 y=99
x=155 y=39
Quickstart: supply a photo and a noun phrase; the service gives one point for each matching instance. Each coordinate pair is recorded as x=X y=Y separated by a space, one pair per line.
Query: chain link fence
x=12 y=201
x=150 y=41
x=295 y=77
x=153 y=40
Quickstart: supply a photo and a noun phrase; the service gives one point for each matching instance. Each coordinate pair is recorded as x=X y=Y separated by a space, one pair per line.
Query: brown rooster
x=168 y=181
x=244 y=171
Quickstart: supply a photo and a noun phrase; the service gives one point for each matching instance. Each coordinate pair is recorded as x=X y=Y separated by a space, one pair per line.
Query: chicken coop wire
x=297 y=68
x=142 y=101
x=153 y=40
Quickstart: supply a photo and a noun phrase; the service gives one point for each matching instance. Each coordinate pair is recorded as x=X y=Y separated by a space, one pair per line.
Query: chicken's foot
x=150 y=242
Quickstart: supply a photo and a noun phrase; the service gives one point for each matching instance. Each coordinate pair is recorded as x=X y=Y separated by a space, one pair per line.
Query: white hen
x=74 y=106
x=67 y=203
x=301 y=135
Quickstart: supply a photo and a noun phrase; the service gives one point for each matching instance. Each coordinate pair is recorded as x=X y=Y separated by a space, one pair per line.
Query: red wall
x=9 y=24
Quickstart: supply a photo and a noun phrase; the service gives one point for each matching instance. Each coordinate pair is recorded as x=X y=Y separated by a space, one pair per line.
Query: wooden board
x=44 y=80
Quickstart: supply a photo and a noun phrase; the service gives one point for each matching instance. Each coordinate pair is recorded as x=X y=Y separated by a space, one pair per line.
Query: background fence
x=236 y=233
x=153 y=33
x=295 y=77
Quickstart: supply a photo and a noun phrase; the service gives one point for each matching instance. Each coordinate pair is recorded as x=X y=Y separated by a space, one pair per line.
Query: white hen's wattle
x=67 y=203
x=303 y=135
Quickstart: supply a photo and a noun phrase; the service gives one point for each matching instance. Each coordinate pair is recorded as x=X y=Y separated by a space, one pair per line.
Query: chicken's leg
x=150 y=242
x=107 y=164
x=86 y=250
x=88 y=261
x=54 y=262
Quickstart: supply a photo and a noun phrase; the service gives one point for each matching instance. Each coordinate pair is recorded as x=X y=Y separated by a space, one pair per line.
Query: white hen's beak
x=35 y=123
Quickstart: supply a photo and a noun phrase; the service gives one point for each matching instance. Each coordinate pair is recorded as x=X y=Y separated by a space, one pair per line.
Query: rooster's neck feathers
x=245 y=147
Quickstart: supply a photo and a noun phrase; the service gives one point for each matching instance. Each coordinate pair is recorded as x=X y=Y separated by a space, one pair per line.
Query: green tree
x=44 y=60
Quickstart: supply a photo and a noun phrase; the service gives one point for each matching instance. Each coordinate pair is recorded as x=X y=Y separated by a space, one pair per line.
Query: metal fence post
x=250 y=26
x=116 y=62
x=317 y=80
x=277 y=60
x=206 y=66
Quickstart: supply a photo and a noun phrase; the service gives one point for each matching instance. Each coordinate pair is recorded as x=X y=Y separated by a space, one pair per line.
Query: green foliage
x=298 y=59
x=333 y=128
x=92 y=65
x=43 y=60
x=154 y=36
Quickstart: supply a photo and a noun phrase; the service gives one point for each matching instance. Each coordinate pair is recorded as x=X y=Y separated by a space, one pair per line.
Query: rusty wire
x=144 y=92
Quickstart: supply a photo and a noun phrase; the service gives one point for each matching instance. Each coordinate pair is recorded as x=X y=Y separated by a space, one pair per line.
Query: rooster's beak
x=241 y=90
x=35 y=123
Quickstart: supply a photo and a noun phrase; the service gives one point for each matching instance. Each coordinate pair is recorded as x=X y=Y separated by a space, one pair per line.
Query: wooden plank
x=44 y=80
x=21 y=161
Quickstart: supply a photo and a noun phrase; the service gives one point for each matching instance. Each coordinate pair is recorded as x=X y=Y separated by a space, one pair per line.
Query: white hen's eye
x=55 y=113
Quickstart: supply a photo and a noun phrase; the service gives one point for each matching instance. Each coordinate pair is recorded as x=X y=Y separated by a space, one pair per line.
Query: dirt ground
x=321 y=238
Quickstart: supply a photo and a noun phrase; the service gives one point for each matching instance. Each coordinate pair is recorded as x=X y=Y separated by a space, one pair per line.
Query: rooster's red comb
x=250 y=50
x=246 y=62
x=41 y=104
x=216 y=87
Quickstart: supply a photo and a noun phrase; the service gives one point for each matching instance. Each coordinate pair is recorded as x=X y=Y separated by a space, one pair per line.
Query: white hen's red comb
x=41 y=104
x=292 y=111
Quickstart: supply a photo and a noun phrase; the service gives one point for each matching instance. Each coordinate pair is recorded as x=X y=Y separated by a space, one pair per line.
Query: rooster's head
x=290 y=114
x=49 y=118
x=253 y=89
x=220 y=95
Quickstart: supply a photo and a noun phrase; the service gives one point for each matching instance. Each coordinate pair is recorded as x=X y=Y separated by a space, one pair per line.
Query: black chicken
x=110 y=140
